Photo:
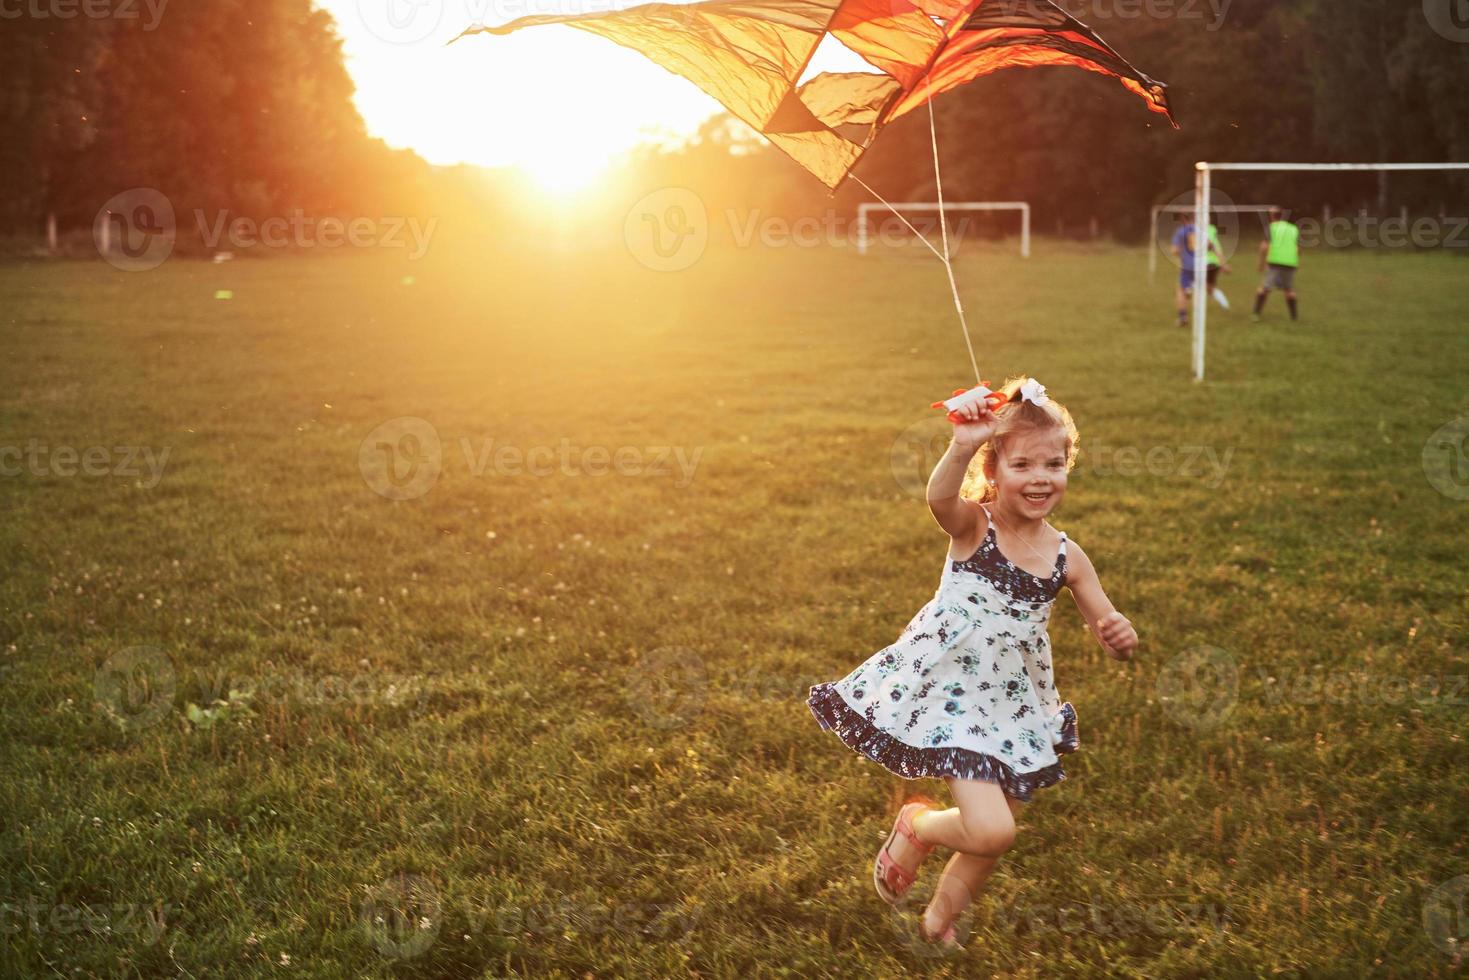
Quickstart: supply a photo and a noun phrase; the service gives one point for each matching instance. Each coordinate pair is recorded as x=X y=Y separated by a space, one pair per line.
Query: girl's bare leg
x=979 y=830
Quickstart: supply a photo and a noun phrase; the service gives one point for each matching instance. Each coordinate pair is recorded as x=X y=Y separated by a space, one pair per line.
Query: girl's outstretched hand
x=978 y=426
x=1117 y=635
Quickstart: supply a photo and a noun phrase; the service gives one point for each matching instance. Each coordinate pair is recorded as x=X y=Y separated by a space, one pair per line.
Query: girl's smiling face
x=1030 y=473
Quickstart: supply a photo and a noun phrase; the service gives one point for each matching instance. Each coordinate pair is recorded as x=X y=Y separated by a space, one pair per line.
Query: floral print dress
x=967 y=690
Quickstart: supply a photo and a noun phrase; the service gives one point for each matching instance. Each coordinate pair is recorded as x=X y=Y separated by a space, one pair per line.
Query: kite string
x=938 y=182
x=943 y=256
x=900 y=217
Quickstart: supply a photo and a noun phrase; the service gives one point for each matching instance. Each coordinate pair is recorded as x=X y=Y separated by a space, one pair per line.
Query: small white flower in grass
x=285 y=959
x=1033 y=391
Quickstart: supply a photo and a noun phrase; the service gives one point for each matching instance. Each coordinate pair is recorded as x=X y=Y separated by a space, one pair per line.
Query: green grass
x=569 y=707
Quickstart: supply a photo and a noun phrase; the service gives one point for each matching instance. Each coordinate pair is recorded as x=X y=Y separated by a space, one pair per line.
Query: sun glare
x=555 y=102
x=564 y=174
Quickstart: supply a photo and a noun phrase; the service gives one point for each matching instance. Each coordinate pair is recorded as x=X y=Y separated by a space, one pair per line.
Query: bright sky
x=556 y=101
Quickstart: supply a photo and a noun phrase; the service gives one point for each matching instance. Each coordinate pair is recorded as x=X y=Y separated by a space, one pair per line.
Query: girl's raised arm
x=958 y=517
x=1110 y=627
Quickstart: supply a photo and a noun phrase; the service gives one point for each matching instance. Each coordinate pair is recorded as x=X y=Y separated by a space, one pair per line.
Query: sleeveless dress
x=967 y=690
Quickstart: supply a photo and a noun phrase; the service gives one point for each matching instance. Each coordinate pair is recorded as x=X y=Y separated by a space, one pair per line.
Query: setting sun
x=557 y=103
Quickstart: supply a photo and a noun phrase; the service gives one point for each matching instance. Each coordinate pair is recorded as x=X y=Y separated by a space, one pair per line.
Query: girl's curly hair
x=1017 y=417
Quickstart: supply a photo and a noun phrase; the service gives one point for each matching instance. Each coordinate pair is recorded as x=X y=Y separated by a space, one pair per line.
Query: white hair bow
x=1033 y=391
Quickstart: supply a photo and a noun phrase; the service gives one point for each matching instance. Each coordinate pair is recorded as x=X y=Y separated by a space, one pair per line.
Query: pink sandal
x=891 y=879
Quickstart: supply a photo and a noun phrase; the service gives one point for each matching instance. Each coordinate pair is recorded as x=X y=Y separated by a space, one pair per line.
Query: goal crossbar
x=864 y=209
x=1203 y=172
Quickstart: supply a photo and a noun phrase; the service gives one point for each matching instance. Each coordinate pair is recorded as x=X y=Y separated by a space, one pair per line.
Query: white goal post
x=864 y=209
x=1161 y=209
x=1203 y=173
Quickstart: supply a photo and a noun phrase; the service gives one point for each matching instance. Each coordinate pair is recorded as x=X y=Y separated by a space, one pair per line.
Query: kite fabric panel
x=751 y=54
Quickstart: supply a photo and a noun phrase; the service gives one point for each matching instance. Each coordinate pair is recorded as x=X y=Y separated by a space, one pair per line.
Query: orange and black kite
x=750 y=55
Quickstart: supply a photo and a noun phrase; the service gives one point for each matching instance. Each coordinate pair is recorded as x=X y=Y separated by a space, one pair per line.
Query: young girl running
x=967 y=693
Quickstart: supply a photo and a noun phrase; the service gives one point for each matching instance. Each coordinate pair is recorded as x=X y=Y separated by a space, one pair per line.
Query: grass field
x=530 y=702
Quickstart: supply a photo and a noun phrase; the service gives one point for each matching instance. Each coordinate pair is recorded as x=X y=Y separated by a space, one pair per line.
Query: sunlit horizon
x=559 y=104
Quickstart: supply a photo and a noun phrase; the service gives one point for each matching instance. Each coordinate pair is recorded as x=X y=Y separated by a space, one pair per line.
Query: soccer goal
x=863 y=226
x=1161 y=209
x=1203 y=178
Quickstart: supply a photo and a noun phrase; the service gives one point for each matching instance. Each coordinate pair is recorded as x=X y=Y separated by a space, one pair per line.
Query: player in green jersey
x=1280 y=257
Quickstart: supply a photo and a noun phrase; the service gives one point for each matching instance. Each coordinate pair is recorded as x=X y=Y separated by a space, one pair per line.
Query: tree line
x=246 y=106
